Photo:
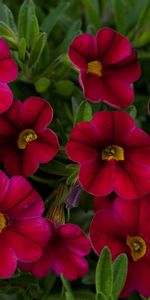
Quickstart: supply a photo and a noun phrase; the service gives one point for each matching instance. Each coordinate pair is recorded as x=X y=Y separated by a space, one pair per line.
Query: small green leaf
x=104 y=273
x=22 y=49
x=132 y=111
x=27 y=22
x=42 y=85
x=7 y=17
x=56 y=168
x=8 y=34
x=84 y=113
x=120 y=266
x=64 y=87
x=37 y=48
x=53 y=17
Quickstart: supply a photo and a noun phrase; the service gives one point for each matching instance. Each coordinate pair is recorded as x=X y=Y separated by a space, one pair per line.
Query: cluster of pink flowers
x=113 y=154
x=25 y=142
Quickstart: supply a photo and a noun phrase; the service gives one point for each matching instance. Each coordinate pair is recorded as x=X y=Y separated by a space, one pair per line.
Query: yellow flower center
x=137 y=246
x=3 y=222
x=113 y=152
x=26 y=136
x=95 y=67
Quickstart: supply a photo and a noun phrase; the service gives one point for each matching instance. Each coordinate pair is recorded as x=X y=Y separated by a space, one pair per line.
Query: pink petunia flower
x=108 y=67
x=23 y=232
x=126 y=229
x=64 y=253
x=8 y=72
x=25 y=140
x=113 y=155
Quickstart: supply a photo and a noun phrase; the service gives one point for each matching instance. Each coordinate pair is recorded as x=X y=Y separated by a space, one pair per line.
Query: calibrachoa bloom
x=8 y=72
x=108 y=66
x=24 y=139
x=126 y=229
x=23 y=232
x=114 y=155
x=64 y=253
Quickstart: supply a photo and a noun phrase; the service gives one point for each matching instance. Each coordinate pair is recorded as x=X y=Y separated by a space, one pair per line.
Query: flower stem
x=66 y=284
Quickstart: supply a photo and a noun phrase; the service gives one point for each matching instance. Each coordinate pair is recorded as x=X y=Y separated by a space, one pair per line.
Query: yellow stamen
x=113 y=152
x=56 y=213
x=26 y=136
x=3 y=222
x=95 y=67
x=137 y=246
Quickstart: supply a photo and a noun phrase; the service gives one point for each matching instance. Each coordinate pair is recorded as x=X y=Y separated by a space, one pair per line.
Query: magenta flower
x=25 y=140
x=64 y=253
x=8 y=72
x=108 y=67
x=126 y=229
x=23 y=232
x=113 y=155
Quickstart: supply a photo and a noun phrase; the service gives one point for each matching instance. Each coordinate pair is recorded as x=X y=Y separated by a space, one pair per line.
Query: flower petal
x=96 y=177
x=8 y=262
x=143 y=286
x=125 y=184
x=127 y=69
x=37 y=113
x=18 y=191
x=45 y=147
x=75 y=239
x=111 y=234
x=115 y=46
x=8 y=70
x=6 y=97
x=82 y=50
x=32 y=235
x=115 y=92
x=83 y=139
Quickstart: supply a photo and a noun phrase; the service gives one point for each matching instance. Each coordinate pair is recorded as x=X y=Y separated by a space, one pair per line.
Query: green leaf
x=120 y=266
x=37 y=48
x=22 y=49
x=53 y=17
x=64 y=87
x=7 y=17
x=42 y=85
x=27 y=22
x=84 y=113
x=104 y=273
x=8 y=34
x=56 y=168
x=92 y=12
x=119 y=14
x=132 y=111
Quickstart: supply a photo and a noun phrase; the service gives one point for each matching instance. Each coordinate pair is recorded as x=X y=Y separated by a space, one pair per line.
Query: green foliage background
x=39 y=37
